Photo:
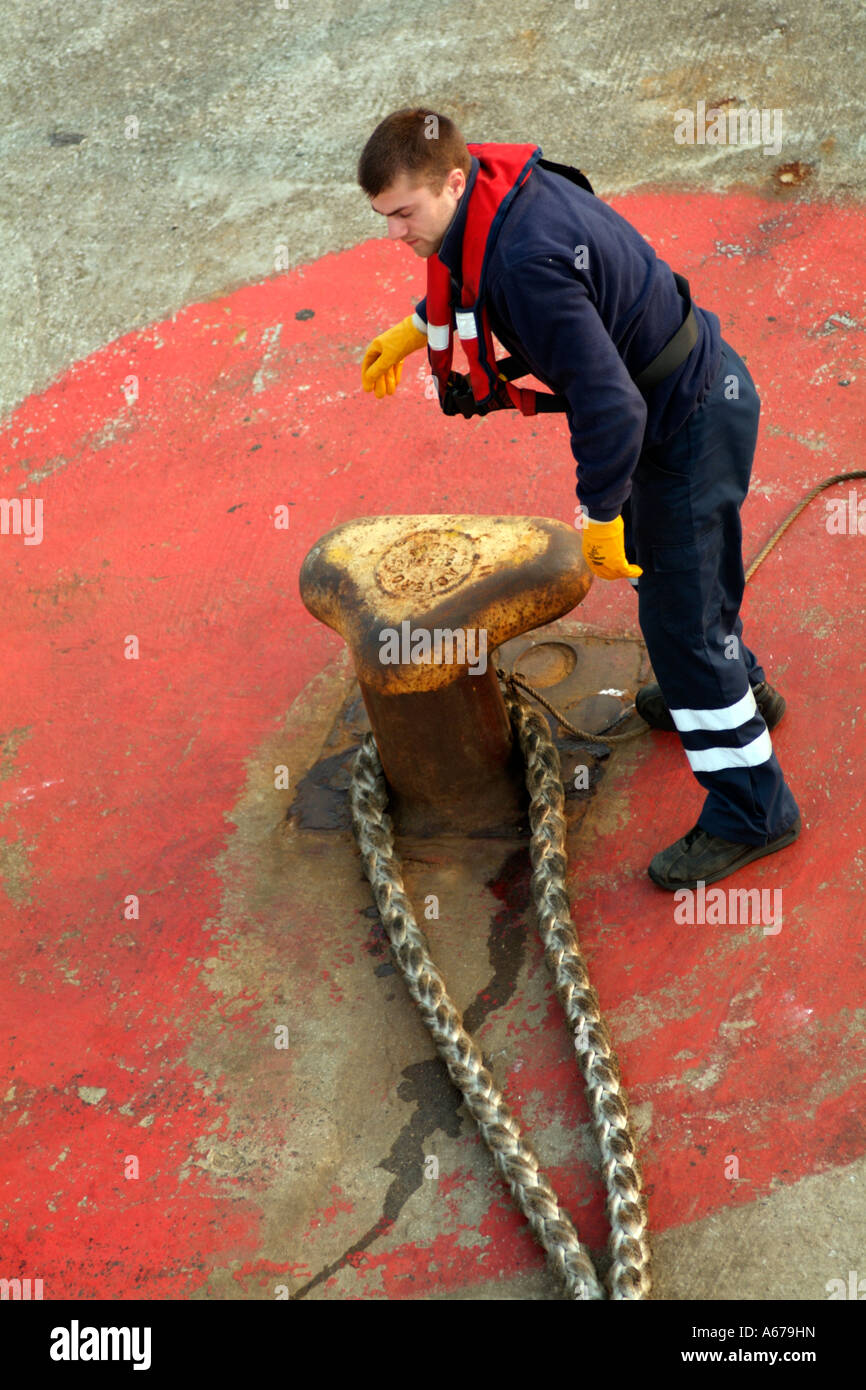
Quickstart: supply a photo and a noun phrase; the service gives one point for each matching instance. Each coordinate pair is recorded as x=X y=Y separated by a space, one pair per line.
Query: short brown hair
x=415 y=141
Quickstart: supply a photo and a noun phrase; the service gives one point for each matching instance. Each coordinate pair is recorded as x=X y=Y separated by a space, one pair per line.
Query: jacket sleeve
x=560 y=335
x=419 y=315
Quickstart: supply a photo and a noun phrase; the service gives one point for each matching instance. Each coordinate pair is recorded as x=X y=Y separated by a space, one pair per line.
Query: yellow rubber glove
x=604 y=549
x=383 y=360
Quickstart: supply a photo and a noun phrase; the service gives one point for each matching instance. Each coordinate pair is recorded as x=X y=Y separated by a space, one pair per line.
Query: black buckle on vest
x=459 y=400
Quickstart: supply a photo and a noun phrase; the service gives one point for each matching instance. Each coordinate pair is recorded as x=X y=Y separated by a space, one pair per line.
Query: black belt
x=674 y=352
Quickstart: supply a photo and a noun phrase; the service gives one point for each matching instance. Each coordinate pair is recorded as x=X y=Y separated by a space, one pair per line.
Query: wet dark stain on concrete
x=377 y=944
x=506 y=941
x=381 y=1228
x=437 y=1106
x=427 y=1085
x=321 y=801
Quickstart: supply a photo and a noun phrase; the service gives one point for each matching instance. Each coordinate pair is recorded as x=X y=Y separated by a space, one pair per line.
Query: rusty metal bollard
x=422 y=602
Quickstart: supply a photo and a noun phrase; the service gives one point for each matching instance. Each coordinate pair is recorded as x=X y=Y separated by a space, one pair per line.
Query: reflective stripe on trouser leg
x=684 y=518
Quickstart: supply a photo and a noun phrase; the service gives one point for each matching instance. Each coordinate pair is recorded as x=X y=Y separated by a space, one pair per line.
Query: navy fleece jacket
x=583 y=332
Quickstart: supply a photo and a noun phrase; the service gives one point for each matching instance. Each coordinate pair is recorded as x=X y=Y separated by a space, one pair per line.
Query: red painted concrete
x=158 y=523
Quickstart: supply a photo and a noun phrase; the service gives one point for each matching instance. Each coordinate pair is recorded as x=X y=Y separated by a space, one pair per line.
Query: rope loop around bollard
x=629 y=1274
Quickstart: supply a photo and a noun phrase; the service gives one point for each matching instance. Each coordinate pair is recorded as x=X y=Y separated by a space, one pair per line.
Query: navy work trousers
x=682 y=526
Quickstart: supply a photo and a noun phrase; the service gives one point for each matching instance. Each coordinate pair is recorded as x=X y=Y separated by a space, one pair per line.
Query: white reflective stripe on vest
x=717 y=759
x=689 y=721
x=438 y=336
x=466 y=325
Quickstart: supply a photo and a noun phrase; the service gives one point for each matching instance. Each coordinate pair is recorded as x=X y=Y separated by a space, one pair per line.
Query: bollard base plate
x=590 y=675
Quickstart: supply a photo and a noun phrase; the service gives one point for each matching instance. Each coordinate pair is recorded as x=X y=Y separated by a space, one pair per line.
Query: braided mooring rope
x=513 y=1154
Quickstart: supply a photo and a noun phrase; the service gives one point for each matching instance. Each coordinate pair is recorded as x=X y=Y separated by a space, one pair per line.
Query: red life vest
x=503 y=170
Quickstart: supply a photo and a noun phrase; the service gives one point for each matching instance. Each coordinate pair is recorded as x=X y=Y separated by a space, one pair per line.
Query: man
x=663 y=416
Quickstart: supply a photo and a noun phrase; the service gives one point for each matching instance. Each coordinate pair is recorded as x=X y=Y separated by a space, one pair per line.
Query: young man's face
x=417 y=215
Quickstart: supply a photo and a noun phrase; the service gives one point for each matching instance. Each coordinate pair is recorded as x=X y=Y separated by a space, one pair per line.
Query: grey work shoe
x=703 y=858
x=650 y=705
